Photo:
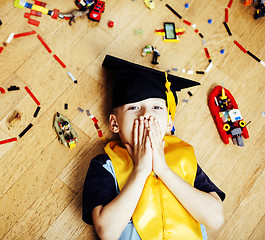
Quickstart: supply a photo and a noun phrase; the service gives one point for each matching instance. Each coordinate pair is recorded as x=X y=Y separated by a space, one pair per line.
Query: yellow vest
x=158 y=214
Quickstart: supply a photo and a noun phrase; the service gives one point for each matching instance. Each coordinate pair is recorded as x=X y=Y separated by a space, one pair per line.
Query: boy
x=148 y=186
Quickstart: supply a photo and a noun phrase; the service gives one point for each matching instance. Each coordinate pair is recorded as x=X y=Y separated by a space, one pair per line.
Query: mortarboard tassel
x=171 y=102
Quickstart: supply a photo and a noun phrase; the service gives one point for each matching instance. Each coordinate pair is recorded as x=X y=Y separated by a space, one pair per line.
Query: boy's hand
x=157 y=144
x=141 y=151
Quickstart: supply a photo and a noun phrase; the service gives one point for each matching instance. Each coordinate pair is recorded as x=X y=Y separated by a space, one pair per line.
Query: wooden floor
x=41 y=180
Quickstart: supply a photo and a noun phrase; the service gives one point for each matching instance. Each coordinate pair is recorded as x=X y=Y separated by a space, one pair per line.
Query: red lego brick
x=207 y=53
x=1 y=49
x=44 y=44
x=43 y=4
x=37 y=3
x=230 y=4
x=2 y=90
x=24 y=34
x=34 y=22
x=59 y=61
x=240 y=46
x=100 y=133
x=27 y=15
x=186 y=22
x=8 y=140
x=95 y=120
x=55 y=13
x=33 y=97
x=226 y=15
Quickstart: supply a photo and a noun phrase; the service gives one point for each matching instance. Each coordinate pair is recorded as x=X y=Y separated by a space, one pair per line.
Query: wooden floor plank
x=43 y=212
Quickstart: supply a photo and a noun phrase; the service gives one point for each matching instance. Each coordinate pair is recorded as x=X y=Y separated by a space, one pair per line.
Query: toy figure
x=150 y=49
x=14 y=120
x=156 y=54
x=74 y=14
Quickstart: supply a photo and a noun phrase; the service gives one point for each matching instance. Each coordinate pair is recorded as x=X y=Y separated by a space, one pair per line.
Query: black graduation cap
x=135 y=83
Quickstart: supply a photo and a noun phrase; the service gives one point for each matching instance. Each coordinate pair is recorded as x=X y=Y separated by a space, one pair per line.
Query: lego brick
x=199 y=72
x=2 y=90
x=37 y=8
x=100 y=133
x=34 y=22
x=88 y=112
x=59 y=61
x=13 y=88
x=66 y=106
x=44 y=44
x=96 y=126
x=186 y=22
x=27 y=15
x=32 y=96
x=190 y=94
x=94 y=119
x=24 y=34
x=37 y=3
x=43 y=4
x=253 y=56
x=201 y=35
x=36 y=112
x=80 y=109
x=72 y=77
x=55 y=13
x=8 y=140
x=227 y=29
x=45 y=11
x=230 y=4
x=240 y=46
x=209 y=67
x=172 y=10
x=28 y=5
x=9 y=39
x=20 y=3
x=207 y=52
x=226 y=15
x=1 y=49
x=25 y=130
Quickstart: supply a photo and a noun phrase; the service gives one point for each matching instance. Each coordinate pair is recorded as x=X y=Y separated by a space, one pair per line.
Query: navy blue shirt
x=100 y=189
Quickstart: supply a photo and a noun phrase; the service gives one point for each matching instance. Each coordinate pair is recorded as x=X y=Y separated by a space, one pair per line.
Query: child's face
x=122 y=120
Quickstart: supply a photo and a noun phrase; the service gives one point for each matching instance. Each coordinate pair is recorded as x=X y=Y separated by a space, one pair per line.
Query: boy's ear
x=169 y=124
x=113 y=123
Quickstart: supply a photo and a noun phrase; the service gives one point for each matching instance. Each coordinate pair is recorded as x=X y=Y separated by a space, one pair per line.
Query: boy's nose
x=146 y=115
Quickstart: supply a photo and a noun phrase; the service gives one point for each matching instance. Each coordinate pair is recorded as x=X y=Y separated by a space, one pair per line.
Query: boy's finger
x=140 y=130
x=135 y=132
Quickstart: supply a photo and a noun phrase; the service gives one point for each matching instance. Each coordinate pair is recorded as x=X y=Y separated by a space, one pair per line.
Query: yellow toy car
x=150 y=4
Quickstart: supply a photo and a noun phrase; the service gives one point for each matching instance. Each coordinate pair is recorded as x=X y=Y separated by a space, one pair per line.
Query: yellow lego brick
x=19 y=3
x=170 y=40
x=45 y=11
x=37 y=8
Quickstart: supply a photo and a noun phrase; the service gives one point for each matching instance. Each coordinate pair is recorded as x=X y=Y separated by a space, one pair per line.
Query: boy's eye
x=133 y=108
x=157 y=107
